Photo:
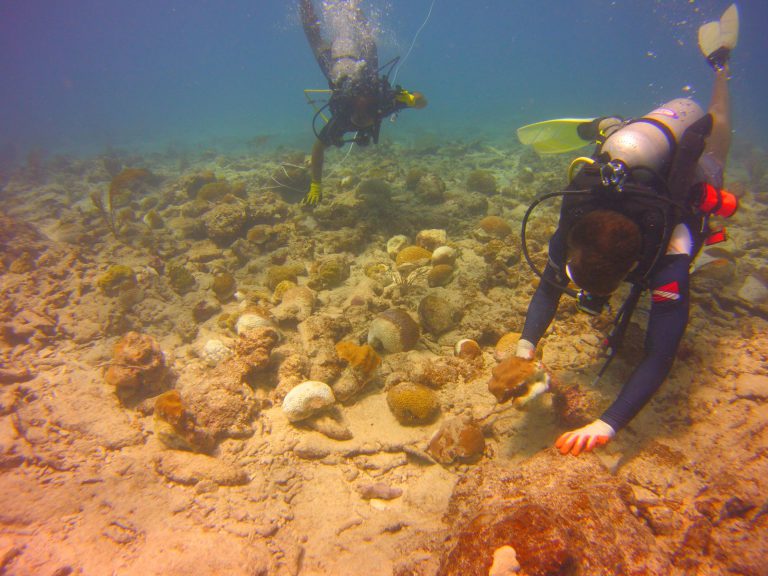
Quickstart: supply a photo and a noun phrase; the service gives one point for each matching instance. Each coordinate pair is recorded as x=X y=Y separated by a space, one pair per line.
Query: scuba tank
x=650 y=142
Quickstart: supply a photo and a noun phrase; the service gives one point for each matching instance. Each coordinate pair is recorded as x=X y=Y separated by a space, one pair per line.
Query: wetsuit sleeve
x=666 y=326
x=543 y=306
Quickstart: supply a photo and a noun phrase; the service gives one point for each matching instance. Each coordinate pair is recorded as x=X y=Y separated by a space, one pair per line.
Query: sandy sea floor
x=127 y=277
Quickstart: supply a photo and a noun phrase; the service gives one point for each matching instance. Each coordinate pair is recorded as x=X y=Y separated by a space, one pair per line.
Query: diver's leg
x=719 y=141
x=311 y=25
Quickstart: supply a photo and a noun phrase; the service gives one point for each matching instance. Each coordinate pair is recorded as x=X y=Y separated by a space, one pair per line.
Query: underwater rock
x=137 y=367
x=188 y=468
x=430 y=189
x=393 y=331
x=575 y=406
x=253 y=351
x=117 y=278
x=482 y=181
x=516 y=377
x=439 y=275
x=431 y=239
x=504 y=562
x=374 y=192
x=412 y=404
x=329 y=426
x=444 y=255
x=292 y=181
x=192 y=183
x=280 y=290
x=753 y=290
x=224 y=286
x=319 y=334
x=329 y=273
x=492 y=227
x=297 y=304
x=561 y=516
x=175 y=426
x=458 y=439
x=438 y=315
x=180 y=279
x=225 y=222
x=307 y=399
x=379 y=490
x=277 y=274
x=205 y=308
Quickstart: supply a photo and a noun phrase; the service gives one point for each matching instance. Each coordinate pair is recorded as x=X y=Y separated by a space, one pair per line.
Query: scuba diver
x=637 y=211
x=360 y=97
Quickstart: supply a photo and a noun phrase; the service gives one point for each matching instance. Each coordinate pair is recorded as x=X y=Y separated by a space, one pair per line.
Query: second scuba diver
x=638 y=211
x=361 y=96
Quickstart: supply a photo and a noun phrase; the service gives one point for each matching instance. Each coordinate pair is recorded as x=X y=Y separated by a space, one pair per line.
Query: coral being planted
x=516 y=377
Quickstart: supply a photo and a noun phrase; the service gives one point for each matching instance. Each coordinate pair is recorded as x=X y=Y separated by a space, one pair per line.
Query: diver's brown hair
x=603 y=246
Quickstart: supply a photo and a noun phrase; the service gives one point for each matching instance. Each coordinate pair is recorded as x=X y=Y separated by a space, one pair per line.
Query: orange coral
x=176 y=427
x=363 y=359
x=169 y=407
x=512 y=378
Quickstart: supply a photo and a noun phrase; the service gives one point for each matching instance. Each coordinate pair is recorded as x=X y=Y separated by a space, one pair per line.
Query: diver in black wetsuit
x=600 y=243
x=360 y=97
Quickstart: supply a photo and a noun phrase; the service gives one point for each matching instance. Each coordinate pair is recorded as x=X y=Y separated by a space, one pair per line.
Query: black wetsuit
x=668 y=283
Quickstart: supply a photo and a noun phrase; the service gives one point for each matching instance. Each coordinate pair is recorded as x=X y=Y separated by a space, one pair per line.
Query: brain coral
x=307 y=399
x=413 y=255
x=495 y=226
x=393 y=331
x=412 y=403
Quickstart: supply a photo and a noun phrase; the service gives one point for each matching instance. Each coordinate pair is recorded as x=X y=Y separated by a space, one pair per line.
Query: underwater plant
x=108 y=203
x=405 y=277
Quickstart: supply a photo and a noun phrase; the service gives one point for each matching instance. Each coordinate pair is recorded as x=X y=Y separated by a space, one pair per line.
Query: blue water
x=78 y=76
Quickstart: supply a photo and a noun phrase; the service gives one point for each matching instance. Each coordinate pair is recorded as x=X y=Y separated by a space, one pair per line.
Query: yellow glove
x=411 y=99
x=315 y=194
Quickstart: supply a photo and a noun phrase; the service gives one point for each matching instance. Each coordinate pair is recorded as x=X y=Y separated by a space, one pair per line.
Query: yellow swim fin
x=554 y=136
x=721 y=34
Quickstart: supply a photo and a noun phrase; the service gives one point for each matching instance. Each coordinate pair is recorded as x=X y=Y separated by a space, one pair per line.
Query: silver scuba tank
x=645 y=142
